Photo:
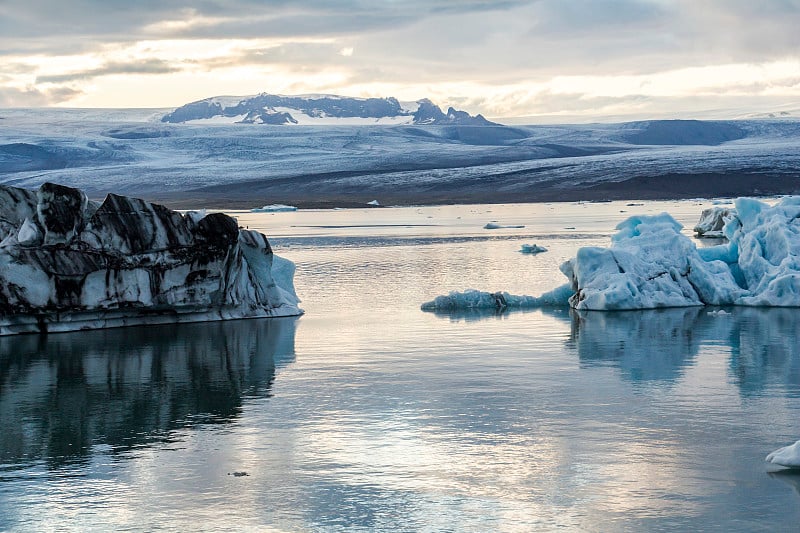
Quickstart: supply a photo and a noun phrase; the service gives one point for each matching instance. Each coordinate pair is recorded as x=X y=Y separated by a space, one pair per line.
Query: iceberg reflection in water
x=62 y=394
x=645 y=345
x=659 y=344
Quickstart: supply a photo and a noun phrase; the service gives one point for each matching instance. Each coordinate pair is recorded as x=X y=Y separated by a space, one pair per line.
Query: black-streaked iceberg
x=67 y=264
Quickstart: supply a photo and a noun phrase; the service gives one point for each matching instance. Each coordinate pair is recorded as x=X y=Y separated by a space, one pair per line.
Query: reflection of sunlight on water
x=496 y=476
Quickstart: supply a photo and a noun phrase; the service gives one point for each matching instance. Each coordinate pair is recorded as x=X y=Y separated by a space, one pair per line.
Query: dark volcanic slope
x=242 y=165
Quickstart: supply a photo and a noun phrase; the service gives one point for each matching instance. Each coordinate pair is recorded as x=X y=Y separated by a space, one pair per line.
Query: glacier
x=191 y=165
x=68 y=263
x=651 y=264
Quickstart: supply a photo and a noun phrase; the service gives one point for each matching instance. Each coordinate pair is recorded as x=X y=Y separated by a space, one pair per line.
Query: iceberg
x=788 y=456
x=67 y=263
x=274 y=208
x=651 y=264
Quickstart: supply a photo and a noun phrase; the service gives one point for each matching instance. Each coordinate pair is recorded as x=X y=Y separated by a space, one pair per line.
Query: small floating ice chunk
x=788 y=456
x=495 y=225
x=532 y=249
x=720 y=312
x=374 y=202
x=274 y=208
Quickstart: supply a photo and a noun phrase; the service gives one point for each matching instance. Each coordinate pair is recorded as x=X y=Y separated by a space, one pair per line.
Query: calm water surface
x=367 y=414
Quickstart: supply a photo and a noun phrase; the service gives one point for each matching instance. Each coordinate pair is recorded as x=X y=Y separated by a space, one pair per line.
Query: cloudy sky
x=505 y=58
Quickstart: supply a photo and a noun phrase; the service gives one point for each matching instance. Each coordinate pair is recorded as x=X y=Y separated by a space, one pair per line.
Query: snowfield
x=249 y=165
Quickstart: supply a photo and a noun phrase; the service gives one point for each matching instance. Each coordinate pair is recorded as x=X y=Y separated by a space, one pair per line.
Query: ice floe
x=274 y=208
x=474 y=299
x=532 y=249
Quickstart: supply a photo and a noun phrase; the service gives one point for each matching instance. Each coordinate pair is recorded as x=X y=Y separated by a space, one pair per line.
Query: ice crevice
x=651 y=264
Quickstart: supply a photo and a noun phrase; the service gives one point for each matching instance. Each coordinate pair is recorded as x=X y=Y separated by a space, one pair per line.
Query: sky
x=505 y=58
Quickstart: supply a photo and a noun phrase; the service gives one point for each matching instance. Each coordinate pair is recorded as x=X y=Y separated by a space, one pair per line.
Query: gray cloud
x=32 y=97
x=553 y=37
x=300 y=55
x=580 y=108
x=418 y=41
x=147 y=66
x=37 y=19
x=525 y=35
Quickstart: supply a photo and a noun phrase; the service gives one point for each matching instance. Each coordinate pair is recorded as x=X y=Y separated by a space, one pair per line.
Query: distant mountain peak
x=318 y=109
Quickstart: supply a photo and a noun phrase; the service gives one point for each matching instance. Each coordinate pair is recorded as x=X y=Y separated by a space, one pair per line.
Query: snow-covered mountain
x=321 y=109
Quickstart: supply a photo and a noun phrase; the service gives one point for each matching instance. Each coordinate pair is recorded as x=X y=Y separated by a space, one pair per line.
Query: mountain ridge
x=274 y=109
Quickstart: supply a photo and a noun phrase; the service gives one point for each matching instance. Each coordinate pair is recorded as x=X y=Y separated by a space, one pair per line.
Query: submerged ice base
x=651 y=264
x=67 y=264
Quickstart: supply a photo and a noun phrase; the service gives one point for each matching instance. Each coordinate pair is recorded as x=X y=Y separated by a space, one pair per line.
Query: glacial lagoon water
x=367 y=414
